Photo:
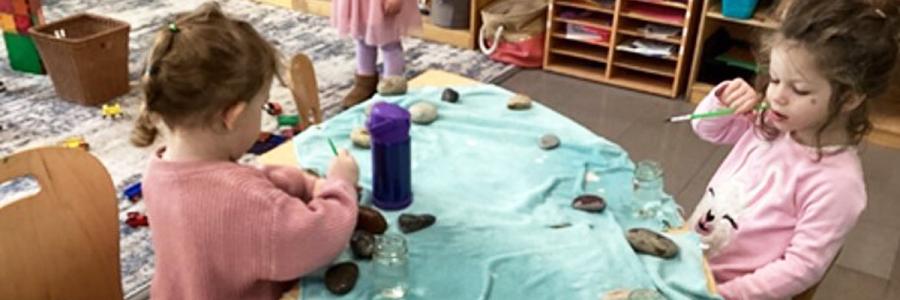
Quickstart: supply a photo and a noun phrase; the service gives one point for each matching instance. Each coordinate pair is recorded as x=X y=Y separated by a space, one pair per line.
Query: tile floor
x=868 y=267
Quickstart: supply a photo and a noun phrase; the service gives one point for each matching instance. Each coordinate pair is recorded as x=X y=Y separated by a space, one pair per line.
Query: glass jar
x=390 y=266
x=648 y=188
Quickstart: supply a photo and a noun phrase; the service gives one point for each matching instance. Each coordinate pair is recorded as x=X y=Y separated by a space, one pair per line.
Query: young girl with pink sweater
x=222 y=230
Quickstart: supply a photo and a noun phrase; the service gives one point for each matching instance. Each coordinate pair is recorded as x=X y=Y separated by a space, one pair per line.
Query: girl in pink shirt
x=779 y=207
x=222 y=230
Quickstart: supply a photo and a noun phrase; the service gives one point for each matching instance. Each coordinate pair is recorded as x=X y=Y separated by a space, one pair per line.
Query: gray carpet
x=31 y=114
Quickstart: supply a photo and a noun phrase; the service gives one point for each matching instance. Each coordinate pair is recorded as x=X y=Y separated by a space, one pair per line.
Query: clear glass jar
x=648 y=188
x=390 y=266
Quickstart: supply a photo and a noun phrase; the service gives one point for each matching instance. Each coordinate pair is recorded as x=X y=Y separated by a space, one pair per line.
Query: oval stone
x=423 y=113
x=651 y=242
x=519 y=102
x=548 y=142
x=589 y=203
x=450 y=95
x=410 y=223
x=341 y=278
x=361 y=138
x=370 y=220
x=363 y=244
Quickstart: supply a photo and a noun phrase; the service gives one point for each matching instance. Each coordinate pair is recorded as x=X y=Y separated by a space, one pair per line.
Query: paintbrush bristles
x=680 y=118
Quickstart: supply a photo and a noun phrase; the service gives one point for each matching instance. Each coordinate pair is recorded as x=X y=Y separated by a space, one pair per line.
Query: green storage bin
x=23 y=55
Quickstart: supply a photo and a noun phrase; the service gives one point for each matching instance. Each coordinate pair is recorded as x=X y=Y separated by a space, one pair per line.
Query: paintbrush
x=333 y=149
x=712 y=114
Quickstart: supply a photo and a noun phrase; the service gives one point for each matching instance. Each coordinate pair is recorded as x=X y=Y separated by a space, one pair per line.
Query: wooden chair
x=305 y=89
x=63 y=242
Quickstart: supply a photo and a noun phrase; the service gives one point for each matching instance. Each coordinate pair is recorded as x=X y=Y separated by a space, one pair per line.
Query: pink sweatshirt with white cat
x=773 y=216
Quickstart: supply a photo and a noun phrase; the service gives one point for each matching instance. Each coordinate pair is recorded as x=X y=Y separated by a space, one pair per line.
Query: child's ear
x=853 y=102
x=231 y=114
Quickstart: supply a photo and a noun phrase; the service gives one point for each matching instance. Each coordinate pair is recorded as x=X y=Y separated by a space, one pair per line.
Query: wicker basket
x=86 y=56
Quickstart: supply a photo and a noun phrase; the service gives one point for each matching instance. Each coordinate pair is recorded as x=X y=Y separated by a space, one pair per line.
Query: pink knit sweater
x=222 y=230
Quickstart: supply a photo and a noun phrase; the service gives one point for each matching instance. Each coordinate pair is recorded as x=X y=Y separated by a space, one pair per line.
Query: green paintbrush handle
x=725 y=112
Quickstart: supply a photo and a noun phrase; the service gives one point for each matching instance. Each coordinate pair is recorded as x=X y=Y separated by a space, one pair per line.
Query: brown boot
x=363 y=89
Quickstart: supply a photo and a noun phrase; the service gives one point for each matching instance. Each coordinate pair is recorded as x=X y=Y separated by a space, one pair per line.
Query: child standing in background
x=222 y=230
x=778 y=209
x=376 y=24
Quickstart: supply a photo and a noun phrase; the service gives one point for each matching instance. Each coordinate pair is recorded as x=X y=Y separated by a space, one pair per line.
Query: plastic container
x=86 y=56
x=389 y=126
x=739 y=9
x=22 y=53
x=452 y=14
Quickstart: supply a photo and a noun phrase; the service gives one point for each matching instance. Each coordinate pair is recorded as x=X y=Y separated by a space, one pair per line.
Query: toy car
x=272 y=108
x=136 y=219
x=134 y=192
x=112 y=111
x=76 y=142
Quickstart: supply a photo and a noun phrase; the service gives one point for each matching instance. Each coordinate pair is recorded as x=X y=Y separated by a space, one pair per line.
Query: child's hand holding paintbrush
x=739 y=98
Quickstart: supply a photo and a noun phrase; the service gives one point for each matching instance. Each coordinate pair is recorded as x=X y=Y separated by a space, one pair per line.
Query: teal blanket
x=496 y=194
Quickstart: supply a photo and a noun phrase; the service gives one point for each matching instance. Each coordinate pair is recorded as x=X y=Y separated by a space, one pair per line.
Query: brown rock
x=410 y=223
x=363 y=244
x=371 y=221
x=341 y=278
x=650 y=242
x=589 y=203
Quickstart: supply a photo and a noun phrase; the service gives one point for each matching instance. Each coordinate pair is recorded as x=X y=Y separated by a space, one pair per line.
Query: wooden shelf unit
x=463 y=38
x=712 y=20
x=885 y=115
x=601 y=62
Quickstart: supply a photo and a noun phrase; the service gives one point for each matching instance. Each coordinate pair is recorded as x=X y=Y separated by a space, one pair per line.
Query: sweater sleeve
x=291 y=180
x=308 y=236
x=828 y=210
x=722 y=130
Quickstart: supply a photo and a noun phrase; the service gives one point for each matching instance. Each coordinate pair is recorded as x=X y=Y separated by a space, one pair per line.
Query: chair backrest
x=63 y=242
x=811 y=291
x=305 y=89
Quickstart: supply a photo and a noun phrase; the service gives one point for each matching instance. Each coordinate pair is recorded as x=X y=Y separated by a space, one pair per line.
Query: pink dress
x=365 y=20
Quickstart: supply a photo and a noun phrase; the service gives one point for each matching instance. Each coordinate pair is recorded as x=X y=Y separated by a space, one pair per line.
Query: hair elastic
x=173 y=27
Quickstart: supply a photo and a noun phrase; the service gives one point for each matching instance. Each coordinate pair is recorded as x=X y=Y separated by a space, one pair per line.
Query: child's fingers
x=737 y=86
x=736 y=97
x=728 y=91
x=747 y=104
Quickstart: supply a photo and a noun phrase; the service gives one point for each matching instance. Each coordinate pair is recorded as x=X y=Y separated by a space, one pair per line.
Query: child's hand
x=738 y=95
x=344 y=167
x=317 y=186
x=392 y=7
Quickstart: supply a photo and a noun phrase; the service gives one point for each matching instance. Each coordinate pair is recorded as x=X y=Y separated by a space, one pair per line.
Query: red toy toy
x=136 y=219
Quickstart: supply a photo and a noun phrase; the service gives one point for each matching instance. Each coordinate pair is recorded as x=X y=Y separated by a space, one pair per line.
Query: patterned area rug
x=31 y=115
